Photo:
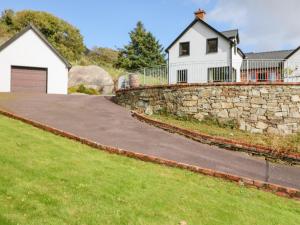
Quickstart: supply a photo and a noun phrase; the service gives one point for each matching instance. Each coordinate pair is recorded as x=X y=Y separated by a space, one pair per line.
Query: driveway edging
x=269 y=187
x=225 y=143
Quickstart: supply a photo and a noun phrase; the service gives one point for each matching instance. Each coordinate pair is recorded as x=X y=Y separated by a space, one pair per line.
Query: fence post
x=144 y=77
x=247 y=65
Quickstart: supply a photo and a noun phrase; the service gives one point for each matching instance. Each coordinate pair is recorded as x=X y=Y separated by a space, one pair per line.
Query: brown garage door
x=27 y=79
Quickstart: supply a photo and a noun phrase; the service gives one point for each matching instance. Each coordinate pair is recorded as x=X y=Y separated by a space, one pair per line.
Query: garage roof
x=41 y=36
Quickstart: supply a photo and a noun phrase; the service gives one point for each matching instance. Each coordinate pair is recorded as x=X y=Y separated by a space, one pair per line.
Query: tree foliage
x=142 y=51
x=104 y=55
x=62 y=35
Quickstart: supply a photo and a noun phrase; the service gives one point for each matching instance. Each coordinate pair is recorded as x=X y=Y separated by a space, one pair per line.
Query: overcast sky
x=263 y=24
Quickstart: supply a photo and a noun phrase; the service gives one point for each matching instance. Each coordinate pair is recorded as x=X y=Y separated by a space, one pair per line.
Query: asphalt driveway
x=98 y=119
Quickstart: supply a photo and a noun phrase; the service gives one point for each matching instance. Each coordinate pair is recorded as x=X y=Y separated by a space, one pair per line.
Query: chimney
x=200 y=14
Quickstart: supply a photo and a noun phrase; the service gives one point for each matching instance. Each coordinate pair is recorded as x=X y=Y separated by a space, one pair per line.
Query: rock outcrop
x=92 y=77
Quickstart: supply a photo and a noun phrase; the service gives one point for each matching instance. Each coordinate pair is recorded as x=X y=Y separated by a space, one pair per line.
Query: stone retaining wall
x=257 y=108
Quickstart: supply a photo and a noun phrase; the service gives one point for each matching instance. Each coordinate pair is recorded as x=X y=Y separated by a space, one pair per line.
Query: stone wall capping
x=176 y=86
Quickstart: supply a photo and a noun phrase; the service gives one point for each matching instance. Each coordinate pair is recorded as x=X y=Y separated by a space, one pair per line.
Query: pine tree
x=142 y=51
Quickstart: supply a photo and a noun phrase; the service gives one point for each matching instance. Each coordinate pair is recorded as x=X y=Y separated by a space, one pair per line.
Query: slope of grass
x=45 y=179
x=290 y=143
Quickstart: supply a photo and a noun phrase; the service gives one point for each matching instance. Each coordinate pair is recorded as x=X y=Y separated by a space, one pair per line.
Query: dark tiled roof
x=265 y=60
x=269 y=55
x=230 y=33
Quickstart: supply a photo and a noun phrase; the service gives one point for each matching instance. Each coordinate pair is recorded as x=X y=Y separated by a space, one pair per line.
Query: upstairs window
x=184 y=49
x=212 y=45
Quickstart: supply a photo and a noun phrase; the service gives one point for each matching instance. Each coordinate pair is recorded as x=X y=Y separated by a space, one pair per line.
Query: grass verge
x=46 y=179
x=289 y=143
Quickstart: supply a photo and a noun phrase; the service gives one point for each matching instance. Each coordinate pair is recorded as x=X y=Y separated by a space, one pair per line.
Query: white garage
x=30 y=64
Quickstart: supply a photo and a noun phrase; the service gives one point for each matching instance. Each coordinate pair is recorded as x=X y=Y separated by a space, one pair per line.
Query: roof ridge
x=236 y=29
x=270 y=51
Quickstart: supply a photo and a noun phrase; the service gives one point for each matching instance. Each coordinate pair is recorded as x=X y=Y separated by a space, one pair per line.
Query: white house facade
x=292 y=66
x=28 y=63
x=201 y=54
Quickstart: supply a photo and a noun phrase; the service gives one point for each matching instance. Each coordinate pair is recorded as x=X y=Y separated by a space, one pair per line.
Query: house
x=273 y=66
x=203 y=54
x=29 y=63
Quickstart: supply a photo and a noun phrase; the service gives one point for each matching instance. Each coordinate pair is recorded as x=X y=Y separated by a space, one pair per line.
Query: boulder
x=91 y=76
x=149 y=111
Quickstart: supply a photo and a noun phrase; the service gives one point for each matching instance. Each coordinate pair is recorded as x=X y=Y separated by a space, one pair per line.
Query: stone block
x=149 y=111
x=226 y=105
x=190 y=103
x=223 y=114
x=253 y=117
x=256 y=131
x=216 y=106
x=280 y=114
x=255 y=93
x=233 y=113
x=272 y=130
x=258 y=101
x=242 y=125
x=200 y=116
x=264 y=91
x=261 y=125
x=295 y=98
x=294 y=115
x=192 y=110
x=261 y=111
x=194 y=98
x=284 y=129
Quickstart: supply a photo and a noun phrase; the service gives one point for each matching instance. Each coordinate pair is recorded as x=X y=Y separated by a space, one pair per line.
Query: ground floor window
x=221 y=74
x=182 y=76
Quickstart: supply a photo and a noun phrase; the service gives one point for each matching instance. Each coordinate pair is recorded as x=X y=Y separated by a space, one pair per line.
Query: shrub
x=84 y=90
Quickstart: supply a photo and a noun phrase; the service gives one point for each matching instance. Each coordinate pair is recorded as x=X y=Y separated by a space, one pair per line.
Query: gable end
x=41 y=36
x=293 y=52
x=192 y=24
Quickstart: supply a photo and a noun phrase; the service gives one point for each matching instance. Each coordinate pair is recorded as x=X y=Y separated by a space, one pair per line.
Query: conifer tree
x=142 y=51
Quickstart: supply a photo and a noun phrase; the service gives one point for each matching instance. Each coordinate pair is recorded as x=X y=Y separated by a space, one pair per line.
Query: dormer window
x=212 y=45
x=184 y=49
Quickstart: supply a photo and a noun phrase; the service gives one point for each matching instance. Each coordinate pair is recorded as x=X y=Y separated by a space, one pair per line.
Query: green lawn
x=45 y=179
x=289 y=143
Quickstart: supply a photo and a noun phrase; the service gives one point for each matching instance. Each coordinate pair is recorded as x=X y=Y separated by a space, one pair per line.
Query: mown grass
x=45 y=179
x=289 y=143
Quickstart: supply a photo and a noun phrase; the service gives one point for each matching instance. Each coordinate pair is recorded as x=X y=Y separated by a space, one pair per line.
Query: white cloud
x=263 y=24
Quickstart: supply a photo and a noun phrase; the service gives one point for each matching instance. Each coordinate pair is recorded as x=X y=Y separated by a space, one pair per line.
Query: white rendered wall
x=237 y=61
x=30 y=51
x=198 y=61
x=292 y=68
